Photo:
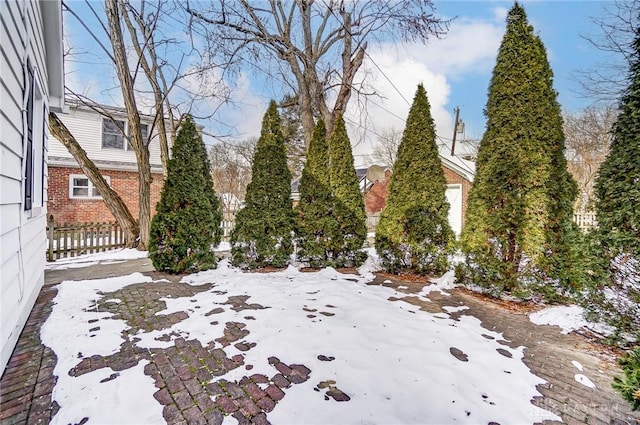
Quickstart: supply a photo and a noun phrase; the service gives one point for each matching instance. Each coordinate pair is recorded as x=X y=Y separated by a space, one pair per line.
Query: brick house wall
x=67 y=209
x=376 y=197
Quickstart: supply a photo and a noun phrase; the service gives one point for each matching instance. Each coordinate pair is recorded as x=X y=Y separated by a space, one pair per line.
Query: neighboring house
x=72 y=197
x=374 y=181
x=31 y=85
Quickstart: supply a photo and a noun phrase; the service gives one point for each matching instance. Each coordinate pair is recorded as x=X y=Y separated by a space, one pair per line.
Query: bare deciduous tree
x=386 y=149
x=588 y=136
x=144 y=73
x=317 y=47
x=618 y=25
x=231 y=171
x=113 y=201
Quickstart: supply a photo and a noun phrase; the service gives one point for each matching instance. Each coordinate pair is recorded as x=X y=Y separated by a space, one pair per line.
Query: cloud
x=470 y=48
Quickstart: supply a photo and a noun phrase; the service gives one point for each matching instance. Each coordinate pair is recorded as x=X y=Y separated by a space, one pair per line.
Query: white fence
x=586 y=220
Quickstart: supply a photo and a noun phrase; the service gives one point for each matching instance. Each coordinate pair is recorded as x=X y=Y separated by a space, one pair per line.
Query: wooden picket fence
x=73 y=239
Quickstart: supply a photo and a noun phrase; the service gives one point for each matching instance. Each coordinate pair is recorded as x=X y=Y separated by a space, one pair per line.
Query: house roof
x=52 y=34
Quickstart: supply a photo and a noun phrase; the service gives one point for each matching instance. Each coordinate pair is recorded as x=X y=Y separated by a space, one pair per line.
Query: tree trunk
x=113 y=201
x=135 y=134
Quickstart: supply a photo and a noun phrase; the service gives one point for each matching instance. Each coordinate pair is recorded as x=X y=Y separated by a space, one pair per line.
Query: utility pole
x=455 y=131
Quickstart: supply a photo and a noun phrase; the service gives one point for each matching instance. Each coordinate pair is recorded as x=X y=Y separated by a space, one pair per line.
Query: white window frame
x=125 y=142
x=38 y=142
x=126 y=145
x=90 y=187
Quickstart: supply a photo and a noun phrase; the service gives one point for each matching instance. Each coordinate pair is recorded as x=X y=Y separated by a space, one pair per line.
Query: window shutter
x=28 y=177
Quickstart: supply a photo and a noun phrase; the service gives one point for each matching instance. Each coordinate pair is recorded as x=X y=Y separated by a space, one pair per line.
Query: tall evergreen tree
x=262 y=235
x=187 y=221
x=617 y=298
x=348 y=206
x=518 y=231
x=414 y=233
x=317 y=229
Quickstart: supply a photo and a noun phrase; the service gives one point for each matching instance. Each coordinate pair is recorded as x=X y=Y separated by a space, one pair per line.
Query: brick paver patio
x=189 y=377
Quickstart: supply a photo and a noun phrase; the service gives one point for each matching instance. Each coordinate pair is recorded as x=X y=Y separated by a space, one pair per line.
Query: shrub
x=414 y=233
x=518 y=234
x=187 y=221
x=629 y=385
x=262 y=235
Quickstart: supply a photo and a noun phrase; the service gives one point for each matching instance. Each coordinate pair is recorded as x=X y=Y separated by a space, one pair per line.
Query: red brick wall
x=376 y=198
x=125 y=183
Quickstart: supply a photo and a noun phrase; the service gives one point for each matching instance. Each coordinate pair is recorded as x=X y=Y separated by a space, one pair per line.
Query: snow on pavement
x=396 y=363
x=568 y=318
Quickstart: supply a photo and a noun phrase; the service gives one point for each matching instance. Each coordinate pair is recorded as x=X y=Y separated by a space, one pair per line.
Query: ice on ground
x=568 y=318
x=395 y=362
x=577 y=365
x=582 y=379
x=95 y=258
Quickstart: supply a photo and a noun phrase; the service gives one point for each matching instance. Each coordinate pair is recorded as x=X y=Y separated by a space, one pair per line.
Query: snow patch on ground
x=568 y=318
x=577 y=365
x=76 y=329
x=108 y=257
x=396 y=362
x=441 y=284
x=582 y=379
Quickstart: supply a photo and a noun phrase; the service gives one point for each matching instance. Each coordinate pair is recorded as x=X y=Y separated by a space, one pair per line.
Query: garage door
x=454 y=196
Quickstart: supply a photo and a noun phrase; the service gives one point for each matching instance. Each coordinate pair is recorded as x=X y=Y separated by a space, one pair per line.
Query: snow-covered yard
x=396 y=363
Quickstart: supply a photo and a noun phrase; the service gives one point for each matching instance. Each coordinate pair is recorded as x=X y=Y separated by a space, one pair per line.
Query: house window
x=34 y=148
x=112 y=134
x=80 y=187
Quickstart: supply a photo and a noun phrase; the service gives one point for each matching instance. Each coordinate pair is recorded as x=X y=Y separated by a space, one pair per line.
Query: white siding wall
x=86 y=127
x=22 y=233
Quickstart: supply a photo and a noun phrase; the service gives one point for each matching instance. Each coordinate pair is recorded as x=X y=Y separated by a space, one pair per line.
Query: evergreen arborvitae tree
x=617 y=297
x=317 y=229
x=518 y=233
x=348 y=201
x=186 y=226
x=262 y=235
x=414 y=233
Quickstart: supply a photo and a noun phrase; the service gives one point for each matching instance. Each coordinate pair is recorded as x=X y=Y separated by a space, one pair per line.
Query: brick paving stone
x=214 y=388
x=172 y=414
x=274 y=392
x=242 y=420
x=163 y=397
x=204 y=401
x=193 y=386
x=281 y=381
x=301 y=369
x=247 y=406
x=260 y=419
x=283 y=368
x=183 y=399
x=214 y=417
x=174 y=384
x=254 y=391
x=266 y=404
x=259 y=379
x=234 y=390
x=194 y=416
x=226 y=404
